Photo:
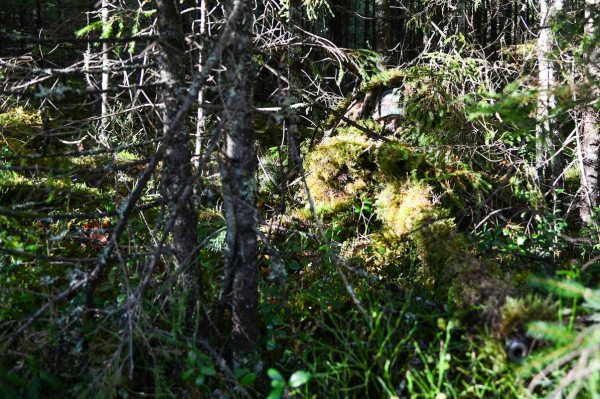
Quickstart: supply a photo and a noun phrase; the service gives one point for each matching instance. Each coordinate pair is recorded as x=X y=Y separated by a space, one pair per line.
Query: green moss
x=339 y=170
x=17 y=187
x=399 y=161
x=517 y=312
x=126 y=156
x=477 y=286
x=18 y=126
x=387 y=77
x=381 y=253
x=403 y=207
x=573 y=178
x=18 y=117
x=414 y=240
x=340 y=109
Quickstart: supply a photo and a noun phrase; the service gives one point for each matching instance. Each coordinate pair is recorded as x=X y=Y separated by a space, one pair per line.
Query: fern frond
x=567 y=288
x=552 y=332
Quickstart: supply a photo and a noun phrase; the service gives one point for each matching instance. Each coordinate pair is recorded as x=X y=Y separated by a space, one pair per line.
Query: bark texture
x=202 y=53
x=177 y=168
x=590 y=142
x=240 y=165
x=383 y=32
x=295 y=79
x=105 y=77
x=548 y=162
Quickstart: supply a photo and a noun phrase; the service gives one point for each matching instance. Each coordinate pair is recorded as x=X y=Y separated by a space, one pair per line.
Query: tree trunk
x=201 y=122
x=295 y=77
x=240 y=165
x=105 y=77
x=462 y=18
x=383 y=33
x=590 y=142
x=177 y=169
x=547 y=134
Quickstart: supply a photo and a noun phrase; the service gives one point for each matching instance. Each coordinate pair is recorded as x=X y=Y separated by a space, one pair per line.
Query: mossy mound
x=406 y=233
x=517 y=312
x=339 y=170
x=347 y=168
x=404 y=205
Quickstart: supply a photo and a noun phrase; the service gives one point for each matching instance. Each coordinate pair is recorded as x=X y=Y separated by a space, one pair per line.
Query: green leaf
x=192 y=357
x=248 y=379
x=186 y=376
x=239 y=373
x=275 y=376
x=299 y=378
x=208 y=370
x=271 y=345
x=276 y=393
x=293 y=266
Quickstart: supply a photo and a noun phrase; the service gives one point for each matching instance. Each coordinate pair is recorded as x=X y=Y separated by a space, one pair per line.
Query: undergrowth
x=444 y=280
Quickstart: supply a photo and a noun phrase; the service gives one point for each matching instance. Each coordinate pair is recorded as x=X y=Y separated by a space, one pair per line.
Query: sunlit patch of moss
x=492 y=353
x=517 y=312
x=438 y=247
x=11 y=178
x=334 y=117
x=126 y=156
x=18 y=117
x=16 y=187
x=403 y=207
x=340 y=169
x=398 y=161
x=17 y=126
x=378 y=252
x=387 y=77
x=411 y=210
x=415 y=239
x=573 y=178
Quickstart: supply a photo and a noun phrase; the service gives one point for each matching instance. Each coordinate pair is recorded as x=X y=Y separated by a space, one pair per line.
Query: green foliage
x=312 y=8
x=447 y=371
x=94 y=26
x=510 y=114
x=571 y=362
x=431 y=114
x=289 y=388
x=543 y=242
x=352 y=357
x=362 y=62
x=126 y=24
x=518 y=312
x=200 y=367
